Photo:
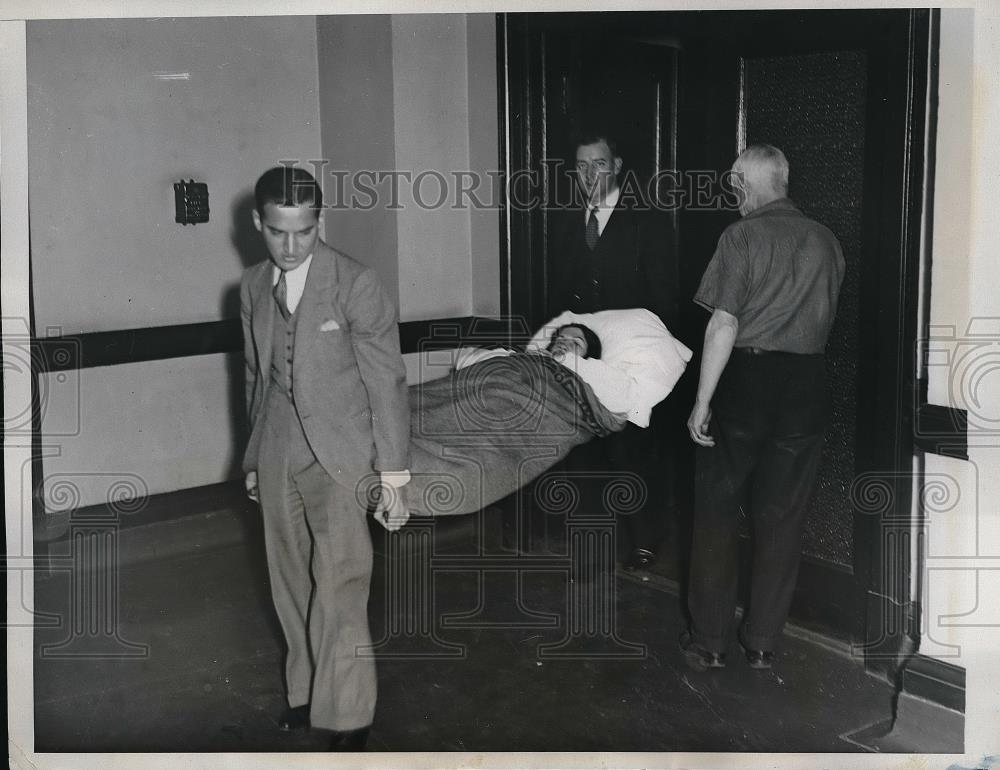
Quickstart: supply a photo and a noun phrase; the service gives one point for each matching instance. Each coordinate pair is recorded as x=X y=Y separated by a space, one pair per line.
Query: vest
x=282 y=347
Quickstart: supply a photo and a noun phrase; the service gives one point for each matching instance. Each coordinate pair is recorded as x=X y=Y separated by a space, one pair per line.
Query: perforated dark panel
x=813 y=108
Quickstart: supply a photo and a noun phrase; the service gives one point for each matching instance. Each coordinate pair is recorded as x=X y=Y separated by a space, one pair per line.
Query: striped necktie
x=281 y=296
x=592 y=233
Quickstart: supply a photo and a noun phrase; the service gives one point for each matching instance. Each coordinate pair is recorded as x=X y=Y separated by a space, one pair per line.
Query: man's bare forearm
x=720 y=335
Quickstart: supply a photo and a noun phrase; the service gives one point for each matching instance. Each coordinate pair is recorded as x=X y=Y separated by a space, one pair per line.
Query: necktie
x=281 y=296
x=591 y=234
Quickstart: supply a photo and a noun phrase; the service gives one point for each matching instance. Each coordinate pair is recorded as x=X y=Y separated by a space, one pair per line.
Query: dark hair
x=287 y=186
x=592 y=135
x=591 y=339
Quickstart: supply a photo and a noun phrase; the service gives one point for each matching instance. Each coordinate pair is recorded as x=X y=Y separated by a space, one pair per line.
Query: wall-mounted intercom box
x=190 y=202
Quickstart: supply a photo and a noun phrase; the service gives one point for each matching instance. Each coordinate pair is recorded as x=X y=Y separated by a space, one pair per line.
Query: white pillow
x=636 y=343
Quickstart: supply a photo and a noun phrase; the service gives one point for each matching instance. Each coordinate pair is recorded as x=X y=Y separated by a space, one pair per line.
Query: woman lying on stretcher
x=490 y=427
x=578 y=348
x=572 y=338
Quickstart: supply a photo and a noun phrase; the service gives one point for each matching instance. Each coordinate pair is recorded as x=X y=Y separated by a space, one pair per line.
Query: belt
x=748 y=351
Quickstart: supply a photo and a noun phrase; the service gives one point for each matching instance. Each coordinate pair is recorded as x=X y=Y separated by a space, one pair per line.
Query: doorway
x=843 y=94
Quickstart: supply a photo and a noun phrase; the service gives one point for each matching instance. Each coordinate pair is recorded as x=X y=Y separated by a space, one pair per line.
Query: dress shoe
x=348 y=740
x=640 y=558
x=294 y=718
x=759 y=659
x=697 y=657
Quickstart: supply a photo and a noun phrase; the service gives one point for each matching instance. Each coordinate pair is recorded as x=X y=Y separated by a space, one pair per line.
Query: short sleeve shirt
x=779 y=273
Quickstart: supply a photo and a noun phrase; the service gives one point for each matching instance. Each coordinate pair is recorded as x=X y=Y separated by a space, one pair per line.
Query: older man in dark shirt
x=761 y=408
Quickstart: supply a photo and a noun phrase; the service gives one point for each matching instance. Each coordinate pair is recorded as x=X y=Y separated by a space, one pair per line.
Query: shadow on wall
x=250 y=249
x=245 y=239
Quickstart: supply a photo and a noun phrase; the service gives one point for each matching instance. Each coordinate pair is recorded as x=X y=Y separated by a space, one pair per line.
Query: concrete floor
x=473 y=663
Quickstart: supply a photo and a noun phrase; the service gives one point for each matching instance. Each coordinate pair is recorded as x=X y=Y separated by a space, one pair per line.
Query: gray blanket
x=487 y=430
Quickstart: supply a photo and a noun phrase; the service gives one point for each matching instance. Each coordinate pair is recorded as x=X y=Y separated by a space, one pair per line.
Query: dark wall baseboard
x=823 y=599
x=128 y=346
x=935 y=681
x=136 y=512
x=942 y=430
x=824 y=595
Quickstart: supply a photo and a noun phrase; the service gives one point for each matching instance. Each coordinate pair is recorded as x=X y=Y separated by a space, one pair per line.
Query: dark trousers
x=768 y=417
x=634 y=451
x=623 y=475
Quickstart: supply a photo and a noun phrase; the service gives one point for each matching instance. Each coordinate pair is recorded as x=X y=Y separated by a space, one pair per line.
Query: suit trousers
x=769 y=414
x=319 y=557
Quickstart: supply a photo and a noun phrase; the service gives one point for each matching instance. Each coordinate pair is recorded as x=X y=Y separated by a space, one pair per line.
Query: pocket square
x=329 y=326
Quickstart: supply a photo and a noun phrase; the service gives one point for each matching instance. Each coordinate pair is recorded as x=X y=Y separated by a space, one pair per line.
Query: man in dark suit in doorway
x=616 y=251
x=328 y=408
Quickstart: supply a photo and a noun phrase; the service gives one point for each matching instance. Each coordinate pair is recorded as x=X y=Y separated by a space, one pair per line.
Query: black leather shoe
x=640 y=558
x=697 y=657
x=294 y=719
x=759 y=659
x=349 y=740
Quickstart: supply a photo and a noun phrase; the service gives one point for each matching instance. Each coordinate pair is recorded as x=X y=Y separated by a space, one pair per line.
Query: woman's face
x=569 y=340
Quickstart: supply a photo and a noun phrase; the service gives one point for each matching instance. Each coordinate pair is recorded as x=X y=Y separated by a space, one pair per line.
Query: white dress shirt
x=604 y=210
x=295 y=282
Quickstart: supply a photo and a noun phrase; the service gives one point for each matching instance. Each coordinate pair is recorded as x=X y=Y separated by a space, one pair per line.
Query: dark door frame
x=882 y=622
x=893 y=223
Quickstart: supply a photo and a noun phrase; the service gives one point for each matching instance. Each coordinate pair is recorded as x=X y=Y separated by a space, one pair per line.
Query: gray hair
x=763 y=173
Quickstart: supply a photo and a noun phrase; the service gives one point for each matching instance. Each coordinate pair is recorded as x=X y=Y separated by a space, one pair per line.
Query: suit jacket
x=633 y=264
x=349 y=382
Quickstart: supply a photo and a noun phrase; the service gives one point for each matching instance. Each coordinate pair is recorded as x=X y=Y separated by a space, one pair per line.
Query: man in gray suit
x=327 y=402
